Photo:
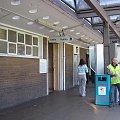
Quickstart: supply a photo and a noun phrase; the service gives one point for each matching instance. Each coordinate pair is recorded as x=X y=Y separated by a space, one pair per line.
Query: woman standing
x=82 y=70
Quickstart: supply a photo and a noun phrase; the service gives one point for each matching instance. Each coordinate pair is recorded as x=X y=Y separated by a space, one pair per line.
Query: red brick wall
x=20 y=81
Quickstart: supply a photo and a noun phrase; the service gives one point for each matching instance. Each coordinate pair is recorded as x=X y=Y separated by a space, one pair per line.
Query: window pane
x=35 y=51
x=20 y=37
x=12 y=48
x=35 y=41
x=70 y=2
x=28 y=50
x=28 y=39
x=109 y=2
x=3 y=34
x=97 y=20
x=21 y=49
x=3 y=47
x=81 y=5
x=12 y=36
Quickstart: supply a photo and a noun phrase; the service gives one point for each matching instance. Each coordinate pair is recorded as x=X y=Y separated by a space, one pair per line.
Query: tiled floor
x=66 y=105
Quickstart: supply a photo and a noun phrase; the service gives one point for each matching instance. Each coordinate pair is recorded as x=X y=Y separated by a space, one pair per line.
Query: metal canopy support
x=100 y=12
x=90 y=13
x=106 y=41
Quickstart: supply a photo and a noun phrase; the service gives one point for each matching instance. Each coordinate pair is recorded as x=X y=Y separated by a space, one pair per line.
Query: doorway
x=53 y=66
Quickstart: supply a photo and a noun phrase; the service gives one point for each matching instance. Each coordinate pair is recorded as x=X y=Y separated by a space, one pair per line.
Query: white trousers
x=82 y=84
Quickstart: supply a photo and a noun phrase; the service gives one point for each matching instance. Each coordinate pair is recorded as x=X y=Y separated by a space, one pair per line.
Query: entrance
x=53 y=66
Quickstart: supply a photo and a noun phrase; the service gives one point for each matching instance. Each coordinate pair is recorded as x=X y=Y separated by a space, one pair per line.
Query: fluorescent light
x=64 y=27
x=51 y=30
x=42 y=27
x=29 y=23
x=77 y=33
x=33 y=11
x=72 y=30
x=82 y=36
x=15 y=2
x=16 y=17
x=46 y=18
x=56 y=23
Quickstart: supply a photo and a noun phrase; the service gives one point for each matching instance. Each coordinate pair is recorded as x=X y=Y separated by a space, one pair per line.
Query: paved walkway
x=66 y=105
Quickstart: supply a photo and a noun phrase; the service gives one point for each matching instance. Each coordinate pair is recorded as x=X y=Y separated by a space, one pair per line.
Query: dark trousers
x=113 y=93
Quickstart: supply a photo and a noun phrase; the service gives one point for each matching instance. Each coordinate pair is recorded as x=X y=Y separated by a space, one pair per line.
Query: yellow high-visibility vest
x=114 y=70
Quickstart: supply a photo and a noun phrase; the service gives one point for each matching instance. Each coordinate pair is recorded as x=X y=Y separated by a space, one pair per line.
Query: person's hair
x=82 y=62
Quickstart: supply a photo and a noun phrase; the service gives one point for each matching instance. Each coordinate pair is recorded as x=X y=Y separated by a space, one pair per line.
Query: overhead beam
x=90 y=13
x=101 y=13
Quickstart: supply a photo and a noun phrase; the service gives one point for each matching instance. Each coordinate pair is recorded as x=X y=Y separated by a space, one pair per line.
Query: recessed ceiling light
x=29 y=23
x=46 y=18
x=86 y=38
x=64 y=27
x=42 y=27
x=16 y=17
x=56 y=23
x=15 y=2
x=82 y=36
x=51 y=30
x=72 y=30
x=77 y=33
x=33 y=11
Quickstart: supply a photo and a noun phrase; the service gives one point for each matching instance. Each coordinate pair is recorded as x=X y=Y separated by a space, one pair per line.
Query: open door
x=53 y=66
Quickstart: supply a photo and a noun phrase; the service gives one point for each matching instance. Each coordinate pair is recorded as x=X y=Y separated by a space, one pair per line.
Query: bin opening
x=102 y=79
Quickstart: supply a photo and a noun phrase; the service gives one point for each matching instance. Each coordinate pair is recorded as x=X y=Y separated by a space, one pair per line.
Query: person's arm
x=110 y=73
x=86 y=69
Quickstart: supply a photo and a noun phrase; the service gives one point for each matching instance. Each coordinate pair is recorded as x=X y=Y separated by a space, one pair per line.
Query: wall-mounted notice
x=101 y=90
x=43 y=66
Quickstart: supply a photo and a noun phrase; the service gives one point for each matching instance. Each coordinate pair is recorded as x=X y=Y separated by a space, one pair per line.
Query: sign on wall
x=43 y=66
x=59 y=39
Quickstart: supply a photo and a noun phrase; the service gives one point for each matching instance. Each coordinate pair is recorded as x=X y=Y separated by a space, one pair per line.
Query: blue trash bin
x=102 y=89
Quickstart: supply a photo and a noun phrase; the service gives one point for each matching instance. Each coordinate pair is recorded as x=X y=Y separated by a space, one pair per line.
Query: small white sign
x=59 y=39
x=43 y=66
x=101 y=90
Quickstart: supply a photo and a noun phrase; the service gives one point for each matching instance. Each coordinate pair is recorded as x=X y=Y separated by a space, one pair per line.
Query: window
x=18 y=43
x=20 y=38
x=20 y=49
x=12 y=48
x=3 y=47
x=3 y=34
x=35 y=51
x=28 y=39
x=35 y=41
x=12 y=36
x=28 y=50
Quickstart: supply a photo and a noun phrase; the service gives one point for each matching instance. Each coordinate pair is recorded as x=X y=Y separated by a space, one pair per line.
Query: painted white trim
x=16 y=42
x=47 y=71
x=23 y=30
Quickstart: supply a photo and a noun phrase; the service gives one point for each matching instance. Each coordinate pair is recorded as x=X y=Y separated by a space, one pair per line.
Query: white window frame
x=21 y=32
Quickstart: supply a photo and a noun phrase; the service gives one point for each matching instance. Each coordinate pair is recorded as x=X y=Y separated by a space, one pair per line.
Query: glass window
x=28 y=39
x=12 y=48
x=81 y=5
x=3 y=47
x=28 y=50
x=35 y=41
x=97 y=20
x=20 y=37
x=109 y=2
x=20 y=49
x=35 y=51
x=3 y=34
x=70 y=2
x=12 y=36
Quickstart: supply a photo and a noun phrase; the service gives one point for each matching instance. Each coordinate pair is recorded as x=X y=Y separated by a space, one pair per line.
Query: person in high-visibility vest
x=114 y=71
